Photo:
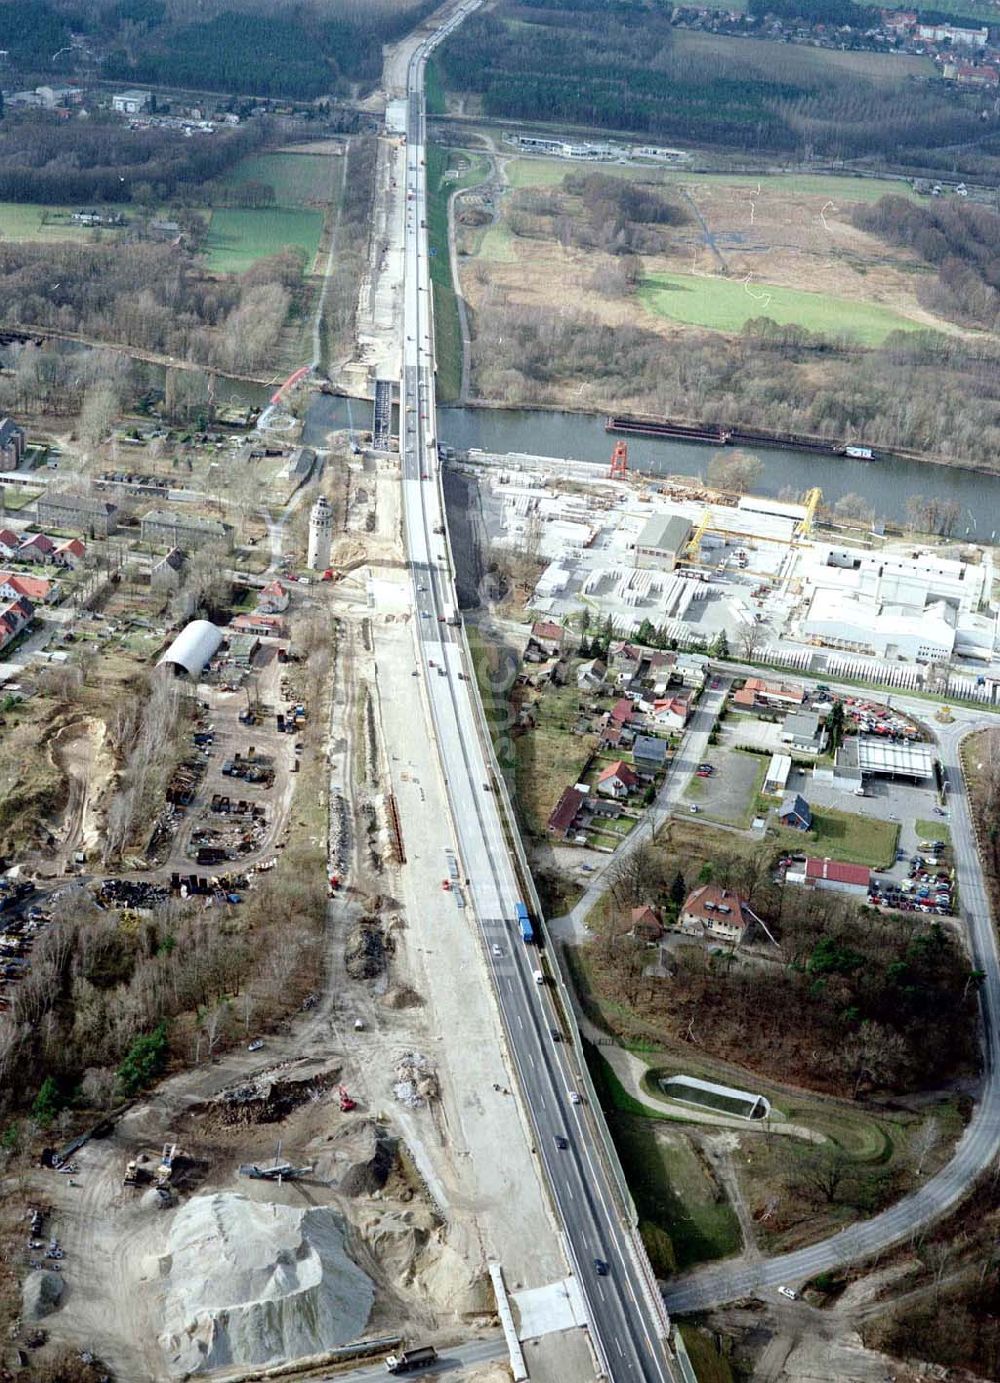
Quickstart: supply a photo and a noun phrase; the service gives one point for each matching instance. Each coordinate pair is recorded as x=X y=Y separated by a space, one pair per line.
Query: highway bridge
x=628 y=1322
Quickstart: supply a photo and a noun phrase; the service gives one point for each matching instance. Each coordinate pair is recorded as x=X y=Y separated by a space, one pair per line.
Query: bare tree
x=923 y=1142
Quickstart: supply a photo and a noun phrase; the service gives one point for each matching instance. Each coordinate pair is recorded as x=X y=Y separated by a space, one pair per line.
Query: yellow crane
x=811 y=502
x=694 y=545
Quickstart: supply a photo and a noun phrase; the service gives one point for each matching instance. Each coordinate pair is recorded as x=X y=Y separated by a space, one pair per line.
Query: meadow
x=237 y=238
x=723 y=304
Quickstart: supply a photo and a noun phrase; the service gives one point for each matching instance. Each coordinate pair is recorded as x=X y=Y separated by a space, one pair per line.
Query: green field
x=844 y=836
x=237 y=239
x=31 y=221
x=299 y=180
x=727 y=305
x=933 y=830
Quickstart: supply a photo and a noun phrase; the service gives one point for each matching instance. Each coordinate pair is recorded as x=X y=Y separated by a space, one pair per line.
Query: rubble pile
x=416 y=1080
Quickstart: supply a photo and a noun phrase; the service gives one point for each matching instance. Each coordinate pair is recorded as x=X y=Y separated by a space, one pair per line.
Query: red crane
x=618 y=469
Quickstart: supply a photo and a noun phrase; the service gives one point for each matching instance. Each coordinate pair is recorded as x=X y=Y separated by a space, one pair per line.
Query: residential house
x=712 y=910
x=622 y=711
x=649 y=754
x=14 y=586
x=671 y=712
x=94 y=517
x=832 y=875
x=272 y=626
x=14 y=617
x=617 y=780
x=635 y=665
x=615 y=736
x=757 y=694
x=12 y=444
x=590 y=676
x=9 y=542
x=273 y=599
x=548 y=636
x=794 y=812
x=563 y=817
x=35 y=547
x=168 y=573
x=690 y=669
x=70 y=554
x=956 y=35
x=646 y=924
x=131 y=102
x=804 y=733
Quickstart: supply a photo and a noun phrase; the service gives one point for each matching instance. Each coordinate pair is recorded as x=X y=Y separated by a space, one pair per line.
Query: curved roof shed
x=193 y=649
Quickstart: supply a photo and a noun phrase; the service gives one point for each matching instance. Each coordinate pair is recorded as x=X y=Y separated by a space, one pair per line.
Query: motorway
x=627 y=1321
x=979 y=1144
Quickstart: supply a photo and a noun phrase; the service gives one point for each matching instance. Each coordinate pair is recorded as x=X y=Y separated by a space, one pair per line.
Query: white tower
x=320 y=533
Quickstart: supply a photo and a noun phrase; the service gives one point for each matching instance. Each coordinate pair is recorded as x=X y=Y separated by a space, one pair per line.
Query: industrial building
x=661 y=543
x=193 y=649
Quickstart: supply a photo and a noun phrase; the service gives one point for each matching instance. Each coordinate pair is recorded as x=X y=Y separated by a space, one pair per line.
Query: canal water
x=886 y=485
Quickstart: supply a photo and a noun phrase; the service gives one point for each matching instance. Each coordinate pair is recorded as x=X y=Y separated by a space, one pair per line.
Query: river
x=886 y=485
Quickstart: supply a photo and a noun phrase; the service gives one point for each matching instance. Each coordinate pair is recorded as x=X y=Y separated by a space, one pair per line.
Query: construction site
x=770 y=577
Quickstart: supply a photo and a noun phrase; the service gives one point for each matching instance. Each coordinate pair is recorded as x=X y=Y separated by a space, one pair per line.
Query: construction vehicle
x=166 y=1168
x=346 y=1103
x=410 y=1360
x=135 y=1175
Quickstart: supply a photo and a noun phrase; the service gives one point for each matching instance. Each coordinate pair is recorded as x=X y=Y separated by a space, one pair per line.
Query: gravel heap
x=251 y=1282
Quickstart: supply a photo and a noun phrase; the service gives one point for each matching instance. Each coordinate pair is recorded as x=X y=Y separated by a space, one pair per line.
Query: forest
x=152 y=296
x=629 y=70
x=612 y=214
x=243 y=46
x=43 y=159
x=961 y=239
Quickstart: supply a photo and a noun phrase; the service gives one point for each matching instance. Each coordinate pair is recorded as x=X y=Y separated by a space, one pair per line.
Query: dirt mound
x=370 y=1172
x=250 y=1282
x=271 y=1096
x=400 y=996
x=409 y=1245
x=40 y=1294
x=366 y=950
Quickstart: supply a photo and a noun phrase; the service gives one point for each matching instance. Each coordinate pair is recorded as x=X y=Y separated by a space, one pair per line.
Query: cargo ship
x=713 y=434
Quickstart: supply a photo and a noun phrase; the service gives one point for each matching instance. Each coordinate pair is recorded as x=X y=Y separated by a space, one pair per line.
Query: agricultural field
x=299 y=180
x=238 y=237
x=807 y=67
x=727 y=305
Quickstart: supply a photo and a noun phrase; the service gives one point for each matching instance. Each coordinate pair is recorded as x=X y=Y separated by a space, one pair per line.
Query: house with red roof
x=9 y=542
x=564 y=814
x=548 y=636
x=617 y=780
x=14 y=617
x=70 y=554
x=14 y=586
x=671 y=712
x=36 y=547
x=712 y=910
x=273 y=599
x=646 y=924
x=266 y=626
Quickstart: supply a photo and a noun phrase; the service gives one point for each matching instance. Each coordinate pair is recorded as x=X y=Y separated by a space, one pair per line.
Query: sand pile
x=251 y=1282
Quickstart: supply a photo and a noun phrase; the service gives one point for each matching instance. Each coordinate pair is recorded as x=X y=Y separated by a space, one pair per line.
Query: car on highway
x=789 y=1293
x=538 y=977
x=446 y=885
x=555 y=1034
x=694 y=810
x=600 y=1267
x=574 y=1098
x=497 y=950
x=561 y=1143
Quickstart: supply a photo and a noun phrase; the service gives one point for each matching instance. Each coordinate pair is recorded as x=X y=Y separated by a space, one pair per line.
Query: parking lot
x=730 y=794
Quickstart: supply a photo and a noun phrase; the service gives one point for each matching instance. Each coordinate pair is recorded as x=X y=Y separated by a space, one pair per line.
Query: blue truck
x=524 y=922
